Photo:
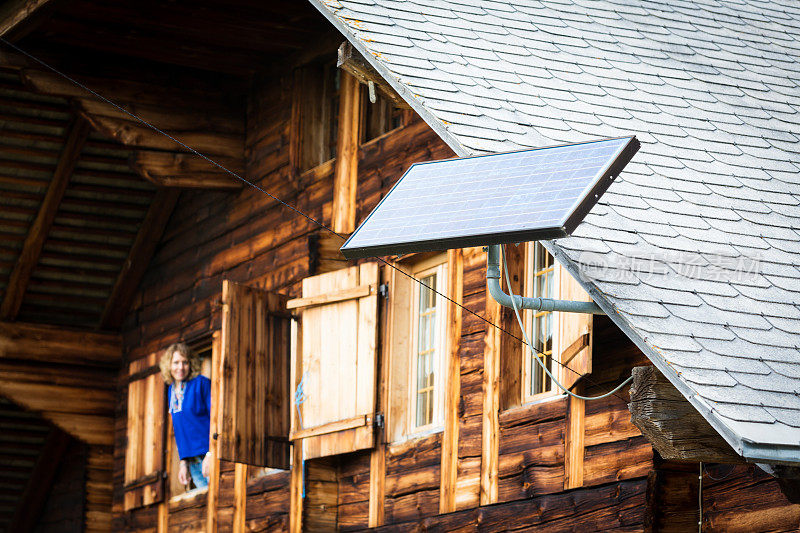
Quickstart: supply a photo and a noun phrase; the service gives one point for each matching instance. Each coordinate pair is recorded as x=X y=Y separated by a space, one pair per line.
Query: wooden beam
x=14 y=14
x=40 y=483
x=239 y=497
x=449 y=468
x=574 y=441
x=32 y=248
x=490 y=443
x=189 y=171
x=354 y=63
x=671 y=424
x=296 y=489
x=53 y=344
x=139 y=257
x=213 y=478
x=345 y=175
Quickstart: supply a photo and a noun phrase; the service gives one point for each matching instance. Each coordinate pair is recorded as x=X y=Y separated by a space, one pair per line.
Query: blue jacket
x=191 y=422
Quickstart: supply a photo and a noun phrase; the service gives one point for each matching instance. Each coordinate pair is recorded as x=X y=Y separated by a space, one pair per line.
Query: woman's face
x=179 y=367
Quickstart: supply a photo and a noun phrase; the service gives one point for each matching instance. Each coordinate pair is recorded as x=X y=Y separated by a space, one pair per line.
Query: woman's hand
x=183 y=473
x=207 y=465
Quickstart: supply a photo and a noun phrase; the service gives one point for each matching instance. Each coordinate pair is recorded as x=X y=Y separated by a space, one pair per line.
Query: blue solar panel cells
x=457 y=202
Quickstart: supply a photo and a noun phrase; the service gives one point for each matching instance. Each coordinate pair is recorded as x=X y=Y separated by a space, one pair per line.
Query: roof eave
x=399 y=87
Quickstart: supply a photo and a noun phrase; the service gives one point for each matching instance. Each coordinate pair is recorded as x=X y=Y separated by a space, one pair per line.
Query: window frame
x=529 y=284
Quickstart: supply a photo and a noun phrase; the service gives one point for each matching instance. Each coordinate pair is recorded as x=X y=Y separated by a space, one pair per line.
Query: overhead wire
x=281 y=202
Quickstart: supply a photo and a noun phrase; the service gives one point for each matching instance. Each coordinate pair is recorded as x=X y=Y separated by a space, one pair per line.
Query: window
x=318 y=94
x=418 y=347
x=541 y=326
x=378 y=118
x=562 y=341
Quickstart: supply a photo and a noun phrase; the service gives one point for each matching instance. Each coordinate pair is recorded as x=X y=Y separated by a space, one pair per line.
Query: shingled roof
x=694 y=251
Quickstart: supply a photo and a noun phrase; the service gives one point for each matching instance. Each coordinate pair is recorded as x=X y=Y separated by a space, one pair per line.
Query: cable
x=536 y=356
x=253 y=185
x=700 y=500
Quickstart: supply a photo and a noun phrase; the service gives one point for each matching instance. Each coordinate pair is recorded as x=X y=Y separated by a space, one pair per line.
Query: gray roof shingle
x=712 y=90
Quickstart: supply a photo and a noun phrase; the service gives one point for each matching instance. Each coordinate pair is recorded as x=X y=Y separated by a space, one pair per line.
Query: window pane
x=426 y=351
x=542 y=330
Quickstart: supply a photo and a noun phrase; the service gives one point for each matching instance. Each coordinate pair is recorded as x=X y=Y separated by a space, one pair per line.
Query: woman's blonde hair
x=195 y=363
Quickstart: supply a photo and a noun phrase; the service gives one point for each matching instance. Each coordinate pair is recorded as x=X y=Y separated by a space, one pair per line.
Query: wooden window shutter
x=336 y=361
x=575 y=332
x=144 y=455
x=254 y=379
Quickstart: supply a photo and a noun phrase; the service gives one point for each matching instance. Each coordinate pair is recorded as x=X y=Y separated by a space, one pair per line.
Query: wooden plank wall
x=244 y=236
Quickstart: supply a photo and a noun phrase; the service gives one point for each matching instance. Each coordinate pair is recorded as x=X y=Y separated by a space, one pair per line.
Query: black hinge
x=379 y=420
x=383 y=290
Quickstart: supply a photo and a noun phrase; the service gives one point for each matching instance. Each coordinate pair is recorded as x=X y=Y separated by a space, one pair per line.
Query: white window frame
x=528 y=317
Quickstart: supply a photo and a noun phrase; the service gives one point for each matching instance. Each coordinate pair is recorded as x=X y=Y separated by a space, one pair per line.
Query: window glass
x=427 y=348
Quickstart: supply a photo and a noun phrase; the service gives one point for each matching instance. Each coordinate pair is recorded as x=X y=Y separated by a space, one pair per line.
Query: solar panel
x=525 y=195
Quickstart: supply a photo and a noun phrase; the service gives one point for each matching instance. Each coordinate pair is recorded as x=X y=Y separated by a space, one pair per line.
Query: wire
x=700 y=500
x=258 y=188
x=536 y=356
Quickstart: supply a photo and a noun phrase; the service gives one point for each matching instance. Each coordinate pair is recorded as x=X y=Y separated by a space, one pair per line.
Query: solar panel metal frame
x=575 y=215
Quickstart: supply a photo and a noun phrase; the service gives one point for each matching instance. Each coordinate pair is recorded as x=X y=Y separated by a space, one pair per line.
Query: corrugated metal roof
x=694 y=250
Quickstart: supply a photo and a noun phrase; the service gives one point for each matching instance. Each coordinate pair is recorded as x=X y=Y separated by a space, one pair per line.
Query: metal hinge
x=379 y=420
x=383 y=290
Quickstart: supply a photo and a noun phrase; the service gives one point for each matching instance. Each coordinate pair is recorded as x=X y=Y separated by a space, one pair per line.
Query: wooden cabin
x=176 y=171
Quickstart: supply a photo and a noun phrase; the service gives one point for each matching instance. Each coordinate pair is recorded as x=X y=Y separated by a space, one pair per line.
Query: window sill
x=188 y=497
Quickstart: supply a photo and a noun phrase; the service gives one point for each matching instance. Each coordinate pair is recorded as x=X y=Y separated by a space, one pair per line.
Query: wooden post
x=296 y=489
x=34 y=242
x=239 y=497
x=377 y=485
x=491 y=404
x=213 y=443
x=345 y=178
x=449 y=469
x=573 y=443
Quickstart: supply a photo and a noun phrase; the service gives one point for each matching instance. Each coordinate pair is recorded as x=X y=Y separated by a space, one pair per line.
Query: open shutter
x=337 y=363
x=254 y=387
x=144 y=455
x=575 y=332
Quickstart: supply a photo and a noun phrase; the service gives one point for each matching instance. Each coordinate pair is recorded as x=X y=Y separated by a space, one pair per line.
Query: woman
x=190 y=407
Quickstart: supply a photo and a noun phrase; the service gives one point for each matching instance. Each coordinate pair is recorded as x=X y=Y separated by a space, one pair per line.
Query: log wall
x=245 y=236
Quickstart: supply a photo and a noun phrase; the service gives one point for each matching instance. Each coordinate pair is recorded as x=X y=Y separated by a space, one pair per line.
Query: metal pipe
x=537 y=304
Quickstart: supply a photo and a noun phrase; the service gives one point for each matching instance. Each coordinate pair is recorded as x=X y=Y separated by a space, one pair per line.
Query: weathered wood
x=345 y=176
x=34 y=242
x=189 y=171
x=144 y=246
x=574 y=332
x=17 y=13
x=333 y=427
x=239 y=498
x=512 y=351
x=34 y=342
x=671 y=424
x=214 y=426
x=574 y=440
x=351 y=61
x=452 y=384
x=323 y=249
x=99 y=489
x=254 y=388
x=40 y=482
x=491 y=403
x=333 y=297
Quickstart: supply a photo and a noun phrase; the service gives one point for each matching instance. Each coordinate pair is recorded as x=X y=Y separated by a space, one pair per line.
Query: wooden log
x=34 y=242
x=352 y=62
x=144 y=246
x=673 y=426
x=491 y=404
x=174 y=169
x=33 y=342
x=574 y=440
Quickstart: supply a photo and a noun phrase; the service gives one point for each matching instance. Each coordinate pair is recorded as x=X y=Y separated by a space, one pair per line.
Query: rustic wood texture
x=254 y=388
x=99 y=487
x=574 y=327
x=40 y=482
x=672 y=424
x=18 y=13
x=144 y=459
x=37 y=233
x=491 y=403
x=352 y=62
x=35 y=342
x=180 y=170
x=214 y=427
x=138 y=258
x=574 y=440
x=345 y=175
x=331 y=358
x=452 y=383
